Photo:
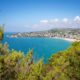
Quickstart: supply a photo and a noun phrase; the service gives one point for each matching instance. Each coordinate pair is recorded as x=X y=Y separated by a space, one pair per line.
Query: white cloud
x=57 y=23
x=65 y=20
x=44 y=21
x=56 y=20
x=77 y=18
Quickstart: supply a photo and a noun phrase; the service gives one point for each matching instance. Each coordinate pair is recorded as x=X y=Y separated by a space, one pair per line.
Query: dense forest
x=14 y=65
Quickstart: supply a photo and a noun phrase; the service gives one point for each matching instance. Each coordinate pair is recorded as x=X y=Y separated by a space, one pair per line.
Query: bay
x=43 y=47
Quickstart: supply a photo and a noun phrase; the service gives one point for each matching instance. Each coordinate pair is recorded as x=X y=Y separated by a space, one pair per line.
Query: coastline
x=68 y=39
x=48 y=36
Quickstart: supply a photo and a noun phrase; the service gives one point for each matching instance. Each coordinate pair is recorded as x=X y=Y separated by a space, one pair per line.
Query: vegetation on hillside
x=64 y=65
x=1 y=32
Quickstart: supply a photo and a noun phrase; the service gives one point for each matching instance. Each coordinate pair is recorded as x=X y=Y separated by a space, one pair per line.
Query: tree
x=1 y=32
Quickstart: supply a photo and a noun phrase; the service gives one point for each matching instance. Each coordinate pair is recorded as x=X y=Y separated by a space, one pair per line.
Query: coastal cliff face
x=64 y=65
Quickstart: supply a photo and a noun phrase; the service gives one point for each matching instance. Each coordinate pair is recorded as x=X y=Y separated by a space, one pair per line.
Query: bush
x=64 y=65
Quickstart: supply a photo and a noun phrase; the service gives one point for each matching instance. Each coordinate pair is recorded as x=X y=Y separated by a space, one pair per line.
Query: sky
x=38 y=15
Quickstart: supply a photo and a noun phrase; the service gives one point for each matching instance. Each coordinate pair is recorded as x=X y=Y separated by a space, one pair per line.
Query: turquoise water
x=43 y=47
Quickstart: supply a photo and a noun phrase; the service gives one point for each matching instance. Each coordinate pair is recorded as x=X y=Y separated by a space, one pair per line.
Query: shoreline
x=63 y=38
x=67 y=39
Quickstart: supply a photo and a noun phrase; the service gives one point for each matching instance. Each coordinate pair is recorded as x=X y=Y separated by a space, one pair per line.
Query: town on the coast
x=67 y=34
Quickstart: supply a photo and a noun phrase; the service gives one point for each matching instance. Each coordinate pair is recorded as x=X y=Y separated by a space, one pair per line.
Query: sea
x=43 y=48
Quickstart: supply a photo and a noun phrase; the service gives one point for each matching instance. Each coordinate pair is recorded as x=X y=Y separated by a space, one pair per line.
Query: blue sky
x=34 y=15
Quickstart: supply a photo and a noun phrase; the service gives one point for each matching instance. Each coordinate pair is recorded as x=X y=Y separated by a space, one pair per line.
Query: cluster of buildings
x=72 y=34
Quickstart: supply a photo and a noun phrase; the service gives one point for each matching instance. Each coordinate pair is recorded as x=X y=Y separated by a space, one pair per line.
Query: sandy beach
x=67 y=39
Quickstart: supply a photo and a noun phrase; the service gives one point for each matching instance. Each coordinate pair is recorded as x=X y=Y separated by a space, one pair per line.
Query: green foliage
x=1 y=32
x=67 y=63
x=64 y=65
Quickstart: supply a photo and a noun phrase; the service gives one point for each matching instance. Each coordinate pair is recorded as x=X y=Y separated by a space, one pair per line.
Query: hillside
x=64 y=65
